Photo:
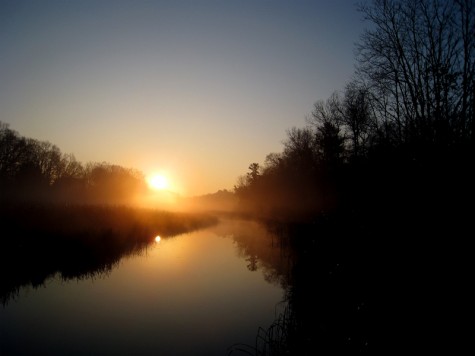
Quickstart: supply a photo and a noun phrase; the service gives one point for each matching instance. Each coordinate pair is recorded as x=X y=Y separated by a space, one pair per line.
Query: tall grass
x=277 y=339
x=38 y=241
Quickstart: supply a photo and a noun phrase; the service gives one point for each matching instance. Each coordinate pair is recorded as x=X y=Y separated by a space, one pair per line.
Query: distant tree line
x=399 y=134
x=37 y=171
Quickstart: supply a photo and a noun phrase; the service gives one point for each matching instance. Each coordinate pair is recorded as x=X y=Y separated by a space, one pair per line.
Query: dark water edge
x=373 y=281
x=38 y=241
x=328 y=295
x=356 y=283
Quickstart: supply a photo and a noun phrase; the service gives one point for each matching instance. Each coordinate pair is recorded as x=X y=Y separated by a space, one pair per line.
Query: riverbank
x=38 y=241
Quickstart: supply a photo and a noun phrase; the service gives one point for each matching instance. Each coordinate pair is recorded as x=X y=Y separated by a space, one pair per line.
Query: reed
x=277 y=339
x=38 y=241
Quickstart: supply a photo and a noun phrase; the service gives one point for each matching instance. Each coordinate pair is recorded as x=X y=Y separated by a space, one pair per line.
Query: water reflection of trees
x=261 y=248
x=327 y=280
x=77 y=242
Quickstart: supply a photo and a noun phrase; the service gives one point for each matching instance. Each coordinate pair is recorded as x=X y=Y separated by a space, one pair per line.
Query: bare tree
x=299 y=147
x=418 y=57
x=329 y=111
x=357 y=117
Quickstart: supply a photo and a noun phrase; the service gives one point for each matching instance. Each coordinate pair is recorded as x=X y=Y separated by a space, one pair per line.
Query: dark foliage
x=32 y=171
x=379 y=189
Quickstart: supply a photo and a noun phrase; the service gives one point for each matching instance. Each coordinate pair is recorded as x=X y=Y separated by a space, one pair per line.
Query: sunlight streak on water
x=194 y=290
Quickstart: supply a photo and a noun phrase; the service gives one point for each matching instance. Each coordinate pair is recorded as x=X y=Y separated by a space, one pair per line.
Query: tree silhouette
x=254 y=172
x=37 y=171
x=402 y=128
x=380 y=182
x=418 y=58
x=327 y=120
x=357 y=118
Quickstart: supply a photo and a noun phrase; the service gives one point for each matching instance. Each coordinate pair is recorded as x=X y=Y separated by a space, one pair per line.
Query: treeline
x=375 y=195
x=37 y=171
x=400 y=134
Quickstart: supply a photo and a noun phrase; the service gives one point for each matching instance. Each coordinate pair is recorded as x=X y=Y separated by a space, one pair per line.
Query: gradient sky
x=196 y=89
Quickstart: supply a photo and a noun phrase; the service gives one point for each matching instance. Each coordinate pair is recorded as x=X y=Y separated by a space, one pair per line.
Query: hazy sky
x=197 y=89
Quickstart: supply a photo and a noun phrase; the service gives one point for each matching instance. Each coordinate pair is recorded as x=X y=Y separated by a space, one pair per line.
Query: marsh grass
x=277 y=339
x=38 y=241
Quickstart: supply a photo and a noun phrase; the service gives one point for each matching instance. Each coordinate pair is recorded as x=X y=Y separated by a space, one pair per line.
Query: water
x=193 y=294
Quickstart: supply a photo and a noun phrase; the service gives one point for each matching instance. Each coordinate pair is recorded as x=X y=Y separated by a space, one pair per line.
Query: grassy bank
x=38 y=241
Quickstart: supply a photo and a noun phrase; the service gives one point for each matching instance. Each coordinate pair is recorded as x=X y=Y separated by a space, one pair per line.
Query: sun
x=158 y=182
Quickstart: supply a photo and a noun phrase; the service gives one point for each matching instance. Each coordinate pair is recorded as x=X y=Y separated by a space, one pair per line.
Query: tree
x=418 y=58
x=109 y=183
x=329 y=111
x=299 y=148
x=330 y=144
x=327 y=120
x=254 y=169
x=12 y=152
x=49 y=159
x=356 y=117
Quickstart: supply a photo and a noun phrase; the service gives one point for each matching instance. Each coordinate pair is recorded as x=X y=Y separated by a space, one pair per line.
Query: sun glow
x=158 y=182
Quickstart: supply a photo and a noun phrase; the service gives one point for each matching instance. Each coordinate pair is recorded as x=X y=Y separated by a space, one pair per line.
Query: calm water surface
x=193 y=294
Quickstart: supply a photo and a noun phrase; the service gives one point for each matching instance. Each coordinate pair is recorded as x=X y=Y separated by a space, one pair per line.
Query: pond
x=198 y=293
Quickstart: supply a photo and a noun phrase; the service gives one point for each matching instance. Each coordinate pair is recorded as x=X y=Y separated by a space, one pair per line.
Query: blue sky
x=195 y=89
